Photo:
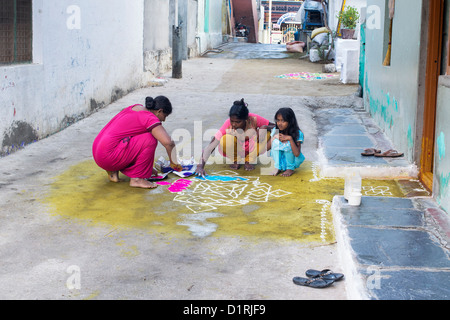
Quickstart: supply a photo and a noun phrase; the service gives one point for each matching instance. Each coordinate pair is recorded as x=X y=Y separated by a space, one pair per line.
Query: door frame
x=433 y=71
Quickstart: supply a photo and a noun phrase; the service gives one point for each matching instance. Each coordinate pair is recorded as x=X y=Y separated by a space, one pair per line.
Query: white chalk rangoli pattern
x=315 y=169
x=207 y=196
x=323 y=218
x=377 y=191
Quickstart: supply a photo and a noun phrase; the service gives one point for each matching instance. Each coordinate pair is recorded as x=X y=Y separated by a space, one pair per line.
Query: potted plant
x=349 y=19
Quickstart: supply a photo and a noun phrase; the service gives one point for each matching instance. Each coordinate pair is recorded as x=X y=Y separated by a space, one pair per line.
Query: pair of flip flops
x=318 y=279
x=377 y=153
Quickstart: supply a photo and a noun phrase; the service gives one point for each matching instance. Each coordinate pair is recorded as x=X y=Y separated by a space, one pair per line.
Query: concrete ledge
x=366 y=170
x=354 y=282
x=389 y=250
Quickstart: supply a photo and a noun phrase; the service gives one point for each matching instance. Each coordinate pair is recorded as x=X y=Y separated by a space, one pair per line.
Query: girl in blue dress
x=285 y=143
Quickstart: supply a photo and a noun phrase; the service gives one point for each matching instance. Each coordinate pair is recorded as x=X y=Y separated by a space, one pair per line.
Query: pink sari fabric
x=126 y=144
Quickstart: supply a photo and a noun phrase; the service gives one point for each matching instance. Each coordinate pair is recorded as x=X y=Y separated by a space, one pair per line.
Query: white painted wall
x=159 y=17
x=209 y=28
x=88 y=54
x=84 y=57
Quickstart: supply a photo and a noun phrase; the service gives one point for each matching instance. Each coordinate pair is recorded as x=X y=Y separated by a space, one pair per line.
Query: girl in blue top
x=285 y=143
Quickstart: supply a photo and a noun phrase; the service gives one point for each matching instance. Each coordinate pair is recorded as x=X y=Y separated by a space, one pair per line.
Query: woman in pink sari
x=128 y=142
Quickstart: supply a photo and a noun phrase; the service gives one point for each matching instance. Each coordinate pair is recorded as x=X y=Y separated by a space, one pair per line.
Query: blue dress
x=284 y=158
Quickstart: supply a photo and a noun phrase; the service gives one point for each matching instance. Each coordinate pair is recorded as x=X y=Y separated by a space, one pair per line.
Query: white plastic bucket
x=352 y=184
x=355 y=199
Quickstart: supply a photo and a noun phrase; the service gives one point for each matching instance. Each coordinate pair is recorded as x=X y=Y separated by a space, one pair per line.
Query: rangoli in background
x=308 y=76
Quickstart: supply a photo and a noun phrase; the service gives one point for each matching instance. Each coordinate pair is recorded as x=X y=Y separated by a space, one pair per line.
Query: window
x=15 y=31
x=448 y=48
x=388 y=21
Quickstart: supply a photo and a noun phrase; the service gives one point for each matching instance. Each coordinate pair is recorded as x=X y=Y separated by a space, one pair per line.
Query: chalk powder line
x=219 y=189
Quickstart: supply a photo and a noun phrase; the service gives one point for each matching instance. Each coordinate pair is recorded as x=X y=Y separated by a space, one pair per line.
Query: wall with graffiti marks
x=441 y=175
x=391 y=93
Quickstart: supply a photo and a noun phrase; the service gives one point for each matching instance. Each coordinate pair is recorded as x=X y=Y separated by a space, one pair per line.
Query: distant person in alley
x=128 y=142
x=285 y=144
x=241 y=139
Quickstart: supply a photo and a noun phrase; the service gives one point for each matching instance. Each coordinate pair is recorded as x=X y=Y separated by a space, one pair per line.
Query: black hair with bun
x=239 y=110
x=160 y=102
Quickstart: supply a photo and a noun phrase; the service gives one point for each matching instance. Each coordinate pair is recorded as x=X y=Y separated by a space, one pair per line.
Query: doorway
x=433 y=71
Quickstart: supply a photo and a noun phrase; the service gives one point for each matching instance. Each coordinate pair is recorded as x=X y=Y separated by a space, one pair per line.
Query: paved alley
x=67 y=233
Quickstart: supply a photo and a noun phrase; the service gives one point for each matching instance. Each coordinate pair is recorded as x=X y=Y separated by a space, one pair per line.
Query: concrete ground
x=67 y=233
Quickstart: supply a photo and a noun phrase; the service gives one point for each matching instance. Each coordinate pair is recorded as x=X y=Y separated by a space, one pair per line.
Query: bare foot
x=142 y=183
x=235 y=166
x=113 y=176
x=249 y=167
x=276 y=172
x=288 y=173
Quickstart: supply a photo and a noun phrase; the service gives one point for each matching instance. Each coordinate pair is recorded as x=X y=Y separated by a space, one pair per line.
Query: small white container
x=347 y=188
x=355 y=199
x=353 y=184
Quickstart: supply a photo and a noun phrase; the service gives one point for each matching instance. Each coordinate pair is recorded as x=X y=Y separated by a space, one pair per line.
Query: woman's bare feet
x=113 y=176
x=276 y=172
x=142 y=183
x=235 y=166
x=249 y=167
x=288 y=173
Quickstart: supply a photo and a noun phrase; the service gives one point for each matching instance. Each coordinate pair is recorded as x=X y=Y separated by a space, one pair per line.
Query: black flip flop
x=313 y=282
x=325 y=274
x=158 y=178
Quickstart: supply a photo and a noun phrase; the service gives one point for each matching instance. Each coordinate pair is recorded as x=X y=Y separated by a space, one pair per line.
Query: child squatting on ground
x=285 y=143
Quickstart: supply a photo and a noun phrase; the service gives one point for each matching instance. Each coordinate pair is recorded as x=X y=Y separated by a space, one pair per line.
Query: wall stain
x=444 y=181
x=17 y=137
x=95 y=105
x=410 y=138
x=117 y=94
x=384 y=109
x=441 y=145
x=21 y=133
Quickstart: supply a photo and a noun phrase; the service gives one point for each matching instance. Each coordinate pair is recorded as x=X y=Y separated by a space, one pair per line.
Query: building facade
x=60 y=61
x=406 y=83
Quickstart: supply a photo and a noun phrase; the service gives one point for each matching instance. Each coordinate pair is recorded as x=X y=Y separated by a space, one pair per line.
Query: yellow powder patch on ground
x=250 y=204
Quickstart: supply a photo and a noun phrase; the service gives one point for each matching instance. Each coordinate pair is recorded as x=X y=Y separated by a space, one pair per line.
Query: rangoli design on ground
x=225 y=188
x=376 y=191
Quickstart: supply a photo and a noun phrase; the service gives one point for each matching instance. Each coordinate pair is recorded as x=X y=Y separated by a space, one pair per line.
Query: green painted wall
x=442 y=151
x=207 y=16
x=391 y=93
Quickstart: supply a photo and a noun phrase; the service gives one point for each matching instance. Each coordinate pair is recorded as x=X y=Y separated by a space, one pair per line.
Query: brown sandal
x=390 y=154
x=370 y=152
